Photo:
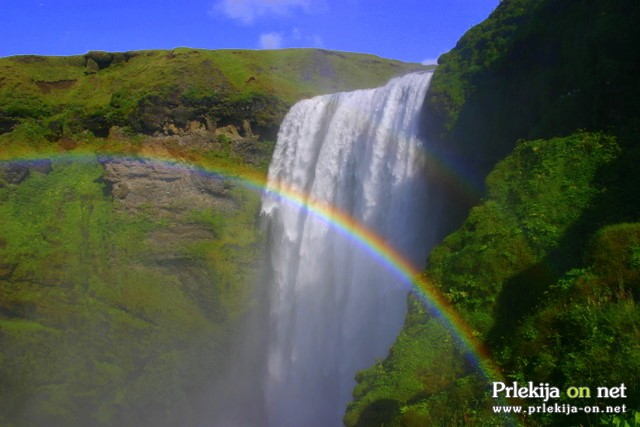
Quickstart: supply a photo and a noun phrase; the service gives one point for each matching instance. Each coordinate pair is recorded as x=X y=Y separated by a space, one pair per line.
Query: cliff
x=129 y=247
x=226 y=92
x=540 y=103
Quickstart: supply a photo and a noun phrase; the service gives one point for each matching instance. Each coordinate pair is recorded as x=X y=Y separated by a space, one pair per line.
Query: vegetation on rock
x=97 y=325
x=539 y=100
x=170 y=91
x=129 y=251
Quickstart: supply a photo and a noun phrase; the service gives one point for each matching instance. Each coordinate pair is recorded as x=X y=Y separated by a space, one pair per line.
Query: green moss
x=415 y=369
x=91 y=331
x=534 y=69
x=507 y=272
x=23 y=327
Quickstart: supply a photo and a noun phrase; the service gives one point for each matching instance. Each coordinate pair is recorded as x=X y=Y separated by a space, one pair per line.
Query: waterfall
x=333 y=307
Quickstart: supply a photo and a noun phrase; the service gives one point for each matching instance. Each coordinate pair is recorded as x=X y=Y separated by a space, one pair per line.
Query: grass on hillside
x=93 y=331
x=538 y=279
x=35 y=86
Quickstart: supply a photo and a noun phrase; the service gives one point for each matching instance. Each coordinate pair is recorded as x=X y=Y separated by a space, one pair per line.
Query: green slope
x=144 y=90
x=114 y=317
x=544 y=268
x=288 y=74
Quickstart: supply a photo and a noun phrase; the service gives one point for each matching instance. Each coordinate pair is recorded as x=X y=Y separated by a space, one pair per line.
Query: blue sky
x=408 y=30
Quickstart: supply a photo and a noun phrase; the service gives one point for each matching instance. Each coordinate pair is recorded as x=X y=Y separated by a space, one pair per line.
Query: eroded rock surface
x=174 y=195
x=162 y=189
x=16 y=172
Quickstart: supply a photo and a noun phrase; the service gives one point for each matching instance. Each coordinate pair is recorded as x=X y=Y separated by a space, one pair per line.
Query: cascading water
x=334 y=308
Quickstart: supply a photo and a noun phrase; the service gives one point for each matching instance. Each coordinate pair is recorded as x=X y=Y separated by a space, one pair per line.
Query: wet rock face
x=164 y=190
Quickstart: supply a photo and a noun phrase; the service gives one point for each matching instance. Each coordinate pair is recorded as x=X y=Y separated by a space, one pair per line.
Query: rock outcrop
x=171 y=194
x=15 y=173
x=168 y=190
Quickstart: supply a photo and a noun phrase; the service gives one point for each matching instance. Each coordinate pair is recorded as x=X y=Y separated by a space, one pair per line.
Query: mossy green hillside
x=502 y=270
x=535 y=69
x=95 y=329
x=145 y=90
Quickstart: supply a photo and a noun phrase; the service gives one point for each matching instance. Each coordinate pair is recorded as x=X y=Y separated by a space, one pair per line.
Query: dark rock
x=55 y=130
x=15 y=173
x=101 y=59
x=6 y=270
x=98 y=125
x=7 y=124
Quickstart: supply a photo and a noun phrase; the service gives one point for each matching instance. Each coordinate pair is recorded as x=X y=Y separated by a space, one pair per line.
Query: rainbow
x=386 y=255
x=373 y=244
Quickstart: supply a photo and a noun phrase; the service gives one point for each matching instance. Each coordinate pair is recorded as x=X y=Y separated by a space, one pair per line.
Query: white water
x=334 y=308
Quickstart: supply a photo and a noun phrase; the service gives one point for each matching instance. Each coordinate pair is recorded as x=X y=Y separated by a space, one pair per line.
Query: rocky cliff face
x=167 y=191
x=169 y=194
